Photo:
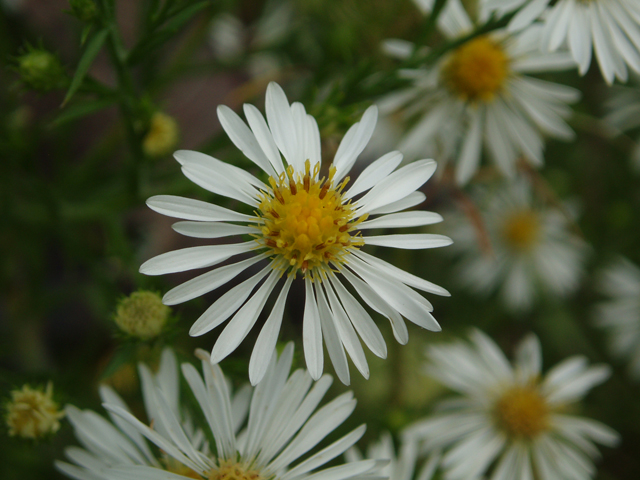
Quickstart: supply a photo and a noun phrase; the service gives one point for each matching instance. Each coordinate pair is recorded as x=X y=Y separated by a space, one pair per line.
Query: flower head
x=309 y=222
x=32 y=412
x=282 y=426
x=511 y=421
x=142 y=315
x=531 y=247
x=480 y=96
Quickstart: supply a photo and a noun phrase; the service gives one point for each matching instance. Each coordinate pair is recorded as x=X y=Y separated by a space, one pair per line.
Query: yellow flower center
x=477 y=70
x=521 y=230
x=174 y=466
x=307 y=222
x=142 y=314
x=32 y=413
x=231 y=470
x=522 y=413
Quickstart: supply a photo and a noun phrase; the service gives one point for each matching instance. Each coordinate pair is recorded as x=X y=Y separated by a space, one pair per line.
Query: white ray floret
x=510 y=421
x=308 y=221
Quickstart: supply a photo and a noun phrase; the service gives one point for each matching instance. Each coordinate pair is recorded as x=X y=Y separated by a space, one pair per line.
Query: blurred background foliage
x=81 y=88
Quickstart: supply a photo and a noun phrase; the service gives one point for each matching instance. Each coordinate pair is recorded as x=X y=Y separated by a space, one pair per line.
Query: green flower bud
x=142 y=315
x=40 y=70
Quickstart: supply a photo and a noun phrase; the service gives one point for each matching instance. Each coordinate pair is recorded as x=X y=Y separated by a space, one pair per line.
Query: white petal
x=471 y=150
x=193 y=257
x=397 y=185
x=411 y=241
x=266 y=342
x=281 y=123
x=375 y=172
x=401 y=220
x=411 y=200
x=402 y=275
x=211 y=229
x=189 y=209
x=207 y=282
x=331 y=338
x=226 y=305
x=361 y=320
x=243 y=138
x=354 y=142
x=243 y=321
x=312 y=333
x=264 y=136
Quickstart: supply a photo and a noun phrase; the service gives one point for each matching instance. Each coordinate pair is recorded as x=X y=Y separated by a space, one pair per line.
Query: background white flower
x=511 y=414
x=620 y=314
x=306 y=221
x=117 y=443
x=480 y=95
x=610 y=28
x=283 y=426
x=530 y=247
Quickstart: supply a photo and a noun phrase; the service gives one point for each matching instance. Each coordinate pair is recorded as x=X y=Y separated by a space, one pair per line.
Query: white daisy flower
x=611 y=28
x=399 y=467
x=306 y=221
x=620 y=315
x=530 y=247
x=480 y=94
x=281 y=428
x=117 y=443
x=511 y=421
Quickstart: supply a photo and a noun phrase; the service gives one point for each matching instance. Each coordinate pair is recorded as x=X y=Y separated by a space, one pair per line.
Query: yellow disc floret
x=477 y=70
x=307 y=222
x=521 y=230
x=232 y=470
x=522 y=412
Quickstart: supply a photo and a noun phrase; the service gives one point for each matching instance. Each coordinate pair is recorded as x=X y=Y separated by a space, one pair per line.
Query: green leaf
x=81 y=109
x=93 y=47
x=85 y=33
x=170 y=28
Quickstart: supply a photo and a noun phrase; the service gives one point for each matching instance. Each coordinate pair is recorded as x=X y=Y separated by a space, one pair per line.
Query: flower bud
x=40 y=70
x=142 y=315
x=162 y=136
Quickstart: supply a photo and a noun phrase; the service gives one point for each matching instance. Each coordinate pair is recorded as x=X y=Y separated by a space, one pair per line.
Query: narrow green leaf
x=169 y=29
x=93 y=47
x=81 y=109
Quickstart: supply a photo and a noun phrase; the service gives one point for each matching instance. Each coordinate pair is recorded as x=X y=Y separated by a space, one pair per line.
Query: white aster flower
x=531 y=247
x=117 y=443
x=480 y=94
x=620 y=315
x=399 y=467
x=511 y=422
x=281 y=428
x=611 y=28
x=306 y=221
